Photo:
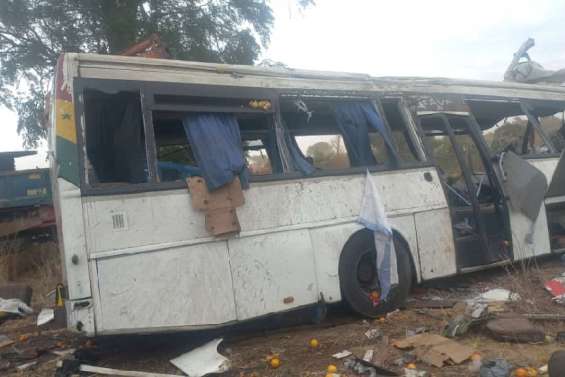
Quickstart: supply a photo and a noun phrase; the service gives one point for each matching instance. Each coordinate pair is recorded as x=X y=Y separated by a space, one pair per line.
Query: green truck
x=26 y=208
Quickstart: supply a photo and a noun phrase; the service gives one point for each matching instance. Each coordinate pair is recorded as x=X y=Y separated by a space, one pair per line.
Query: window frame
x=147 y=91
x=531 y=118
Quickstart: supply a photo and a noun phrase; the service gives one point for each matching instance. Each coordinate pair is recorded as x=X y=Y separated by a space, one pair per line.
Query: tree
x=34 y=32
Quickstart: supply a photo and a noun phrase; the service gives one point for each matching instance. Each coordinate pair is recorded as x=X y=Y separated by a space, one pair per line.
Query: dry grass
x=35 y=264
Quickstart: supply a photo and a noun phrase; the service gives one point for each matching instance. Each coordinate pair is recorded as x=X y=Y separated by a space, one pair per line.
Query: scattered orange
x=476 y=356
x=332 y=368
x=532 y=372
x=313 y=343
x=521 y=372
x=24 y=338
x=411 y=366
x=275 y=362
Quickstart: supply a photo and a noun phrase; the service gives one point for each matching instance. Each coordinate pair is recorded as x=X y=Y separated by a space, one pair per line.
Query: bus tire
x=358 y=257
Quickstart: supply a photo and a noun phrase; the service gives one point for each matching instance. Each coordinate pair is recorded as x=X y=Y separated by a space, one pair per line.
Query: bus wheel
x=359 y=278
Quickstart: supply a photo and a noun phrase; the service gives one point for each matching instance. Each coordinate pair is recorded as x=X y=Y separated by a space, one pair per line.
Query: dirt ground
x=248 y=345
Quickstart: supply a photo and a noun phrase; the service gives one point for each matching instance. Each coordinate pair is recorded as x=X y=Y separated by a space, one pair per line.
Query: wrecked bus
x=468 y=172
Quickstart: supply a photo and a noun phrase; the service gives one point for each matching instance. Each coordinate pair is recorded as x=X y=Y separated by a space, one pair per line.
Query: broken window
x=175 y=156
x=178 y=151
x=115 y=139
x=338 y=134
x=522 y=128
x=403 y=139
x=554 y=127
x=515 y=134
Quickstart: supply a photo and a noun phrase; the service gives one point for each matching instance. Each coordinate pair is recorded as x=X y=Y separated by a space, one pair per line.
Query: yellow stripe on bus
x=65 y=120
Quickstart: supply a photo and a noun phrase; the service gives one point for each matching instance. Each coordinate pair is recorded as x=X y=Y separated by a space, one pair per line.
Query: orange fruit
x=532 y=372
x=332 y=368
x=24 y=338
x=476 y=356
x=411 y=366
x=521 y=372
x=313 y=343
x=275 y=362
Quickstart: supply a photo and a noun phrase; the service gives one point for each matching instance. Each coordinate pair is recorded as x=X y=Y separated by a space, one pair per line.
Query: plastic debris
x=556 y=287
x=457 y=326
x=365 y=368
x=14 y=306
x=495 y=368
x=203 y=360
x=45 y=316
x=368 y=356
x=373 y=334
x=342 y=355
x=495 y=295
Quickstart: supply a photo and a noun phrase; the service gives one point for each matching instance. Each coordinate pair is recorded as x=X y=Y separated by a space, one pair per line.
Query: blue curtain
x=270 y=143
x=298 y=160
x=355 y=120
x=216 y=142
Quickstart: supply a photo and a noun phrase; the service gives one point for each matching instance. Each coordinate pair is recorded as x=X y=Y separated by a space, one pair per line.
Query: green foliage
x=34 y=32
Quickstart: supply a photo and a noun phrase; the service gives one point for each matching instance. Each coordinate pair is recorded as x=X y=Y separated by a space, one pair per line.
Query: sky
x=436 y=38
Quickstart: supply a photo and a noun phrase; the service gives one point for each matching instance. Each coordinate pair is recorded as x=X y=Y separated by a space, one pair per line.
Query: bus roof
x=289 y=79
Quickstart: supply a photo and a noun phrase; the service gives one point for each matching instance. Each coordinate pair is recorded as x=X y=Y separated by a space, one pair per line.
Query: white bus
x=139 y=256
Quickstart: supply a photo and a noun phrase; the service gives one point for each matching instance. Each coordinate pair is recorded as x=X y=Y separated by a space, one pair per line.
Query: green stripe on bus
x=67 y=159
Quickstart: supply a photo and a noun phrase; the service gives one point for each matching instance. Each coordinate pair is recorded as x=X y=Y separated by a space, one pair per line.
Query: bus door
x=478 y=211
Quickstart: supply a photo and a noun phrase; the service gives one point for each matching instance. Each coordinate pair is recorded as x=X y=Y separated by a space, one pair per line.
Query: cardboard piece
x=222 y=221
x=219 y=205
x=436 y=350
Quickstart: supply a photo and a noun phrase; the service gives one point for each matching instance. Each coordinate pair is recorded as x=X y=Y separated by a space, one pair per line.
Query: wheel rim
x=367 y=275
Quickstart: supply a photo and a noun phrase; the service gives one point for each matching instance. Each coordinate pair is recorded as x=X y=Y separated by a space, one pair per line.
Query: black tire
x=358 y=276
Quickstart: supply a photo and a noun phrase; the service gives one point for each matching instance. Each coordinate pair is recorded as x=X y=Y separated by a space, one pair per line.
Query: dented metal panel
x=178 y=287
x=435 y=243
x=272 y=273
x=532 y=239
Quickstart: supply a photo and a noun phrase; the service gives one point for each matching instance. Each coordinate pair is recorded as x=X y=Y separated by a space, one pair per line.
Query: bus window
x=506 y=127
x=176 y=160
x=115 y=140
x=515 y=134
x=554 y=128
x=256 y=156
x=401 y=138
x=325 y=152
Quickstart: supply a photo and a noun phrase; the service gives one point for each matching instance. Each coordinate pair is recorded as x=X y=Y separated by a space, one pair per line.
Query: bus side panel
x=328 y=242
x=72 y=240
x=435 y=242
x=273 y=272
x=522 y=226
x=406 y=227
x=184 y=286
